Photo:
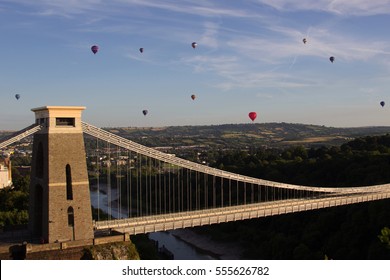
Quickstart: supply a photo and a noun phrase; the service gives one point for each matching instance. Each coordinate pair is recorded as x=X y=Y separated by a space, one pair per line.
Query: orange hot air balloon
x=252 y=116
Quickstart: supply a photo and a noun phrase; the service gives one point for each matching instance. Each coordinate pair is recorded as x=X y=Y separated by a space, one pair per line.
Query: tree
x=384 y=237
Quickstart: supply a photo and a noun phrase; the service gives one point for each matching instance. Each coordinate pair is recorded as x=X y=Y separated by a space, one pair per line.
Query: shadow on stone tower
x=60 y=206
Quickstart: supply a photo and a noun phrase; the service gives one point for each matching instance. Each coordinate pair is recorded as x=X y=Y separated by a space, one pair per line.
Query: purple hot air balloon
x=94 y=49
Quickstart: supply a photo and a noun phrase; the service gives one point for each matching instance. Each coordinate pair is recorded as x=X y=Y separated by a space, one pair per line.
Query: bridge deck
x=227 y=214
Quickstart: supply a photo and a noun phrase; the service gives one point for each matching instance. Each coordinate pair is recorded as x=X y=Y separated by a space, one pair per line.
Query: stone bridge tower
x=60 y=206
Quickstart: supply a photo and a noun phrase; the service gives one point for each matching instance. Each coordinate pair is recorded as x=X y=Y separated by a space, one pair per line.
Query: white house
x=5 y=173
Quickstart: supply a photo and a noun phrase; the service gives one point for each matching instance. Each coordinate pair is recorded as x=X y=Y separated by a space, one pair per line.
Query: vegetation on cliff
x=125 y=250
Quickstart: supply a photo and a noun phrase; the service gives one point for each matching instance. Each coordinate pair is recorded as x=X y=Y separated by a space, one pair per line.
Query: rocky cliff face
x=125 y=250
x=113 y=251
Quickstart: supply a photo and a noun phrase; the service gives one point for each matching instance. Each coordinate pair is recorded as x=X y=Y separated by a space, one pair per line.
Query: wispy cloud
x=209 y=37
x=322 y=44
x=263 y=62
x=340 y=7
x=199 y=8
x=67 y=8
x=58 y=7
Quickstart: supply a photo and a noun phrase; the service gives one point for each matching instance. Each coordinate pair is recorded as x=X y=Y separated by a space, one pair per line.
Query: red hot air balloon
x=94 y=49
x=252 y=115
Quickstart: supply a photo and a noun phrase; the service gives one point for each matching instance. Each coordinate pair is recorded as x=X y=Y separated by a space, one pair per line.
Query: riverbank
x=222 y=251
x=194 y=246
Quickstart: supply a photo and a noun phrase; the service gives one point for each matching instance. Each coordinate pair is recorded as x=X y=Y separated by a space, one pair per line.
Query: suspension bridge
x=141 y=189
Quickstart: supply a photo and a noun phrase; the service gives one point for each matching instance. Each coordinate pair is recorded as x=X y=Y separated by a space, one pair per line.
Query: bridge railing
x=17 y=136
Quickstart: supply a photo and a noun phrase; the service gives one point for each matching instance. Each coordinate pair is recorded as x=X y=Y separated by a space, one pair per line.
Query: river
x=180 y=249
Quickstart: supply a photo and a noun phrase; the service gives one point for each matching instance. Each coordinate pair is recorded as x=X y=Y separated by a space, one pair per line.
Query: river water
x=180 y=249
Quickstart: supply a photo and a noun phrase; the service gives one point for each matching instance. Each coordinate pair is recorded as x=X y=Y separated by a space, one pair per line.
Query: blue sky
x=250 y=57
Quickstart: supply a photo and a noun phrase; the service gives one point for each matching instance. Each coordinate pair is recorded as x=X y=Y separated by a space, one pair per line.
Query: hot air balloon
x=331 y=59
x=17 y=96
x=141 y=50
x=382 y=103
x=145 y=112
x=194 y=45
x=94 y=49
x=304 y=40
x=193 y=96
x=252 y=115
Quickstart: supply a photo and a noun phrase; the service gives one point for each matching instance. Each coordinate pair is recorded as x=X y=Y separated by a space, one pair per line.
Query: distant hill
x=246 y=135
x=240 y=136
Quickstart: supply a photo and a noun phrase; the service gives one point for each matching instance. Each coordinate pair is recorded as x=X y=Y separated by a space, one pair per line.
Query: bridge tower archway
x=60 y=206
